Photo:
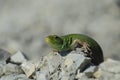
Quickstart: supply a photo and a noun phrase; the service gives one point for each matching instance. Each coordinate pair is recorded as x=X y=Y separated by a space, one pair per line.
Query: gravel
x=54 y=66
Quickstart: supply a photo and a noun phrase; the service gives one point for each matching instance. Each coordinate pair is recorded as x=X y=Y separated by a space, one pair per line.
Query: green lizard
x=73 y=41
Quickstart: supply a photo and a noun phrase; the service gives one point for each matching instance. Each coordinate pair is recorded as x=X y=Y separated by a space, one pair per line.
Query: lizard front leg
x=80 y=44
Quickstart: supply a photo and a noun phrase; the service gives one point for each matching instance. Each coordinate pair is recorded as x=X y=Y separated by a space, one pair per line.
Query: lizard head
x=54 y=41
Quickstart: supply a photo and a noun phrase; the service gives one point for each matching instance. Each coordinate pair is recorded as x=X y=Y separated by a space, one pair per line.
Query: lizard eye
x=56 y=37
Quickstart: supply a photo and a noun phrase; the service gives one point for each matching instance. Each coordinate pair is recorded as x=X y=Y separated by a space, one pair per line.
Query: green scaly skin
x=71 y=41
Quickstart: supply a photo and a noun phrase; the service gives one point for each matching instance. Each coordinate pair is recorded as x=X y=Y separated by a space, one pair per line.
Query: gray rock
x=78 y=59
x=2 y=69
x=18 y=57
x=4 y=55
x=82 y=76
x=72 y=63
x=15 y=77
x=11 y=69
x=109 y=70
x=88 y=73
x=52 y=61
x=28 y=68
x=64 y=67
x=42 y=76
x=109 y=76
x=91 y=69
x=97 y=74
x=111 y=65
x=7 y=69
x=56 y=75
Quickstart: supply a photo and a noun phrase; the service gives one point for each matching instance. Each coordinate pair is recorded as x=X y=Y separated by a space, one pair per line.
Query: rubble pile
x=55 y=66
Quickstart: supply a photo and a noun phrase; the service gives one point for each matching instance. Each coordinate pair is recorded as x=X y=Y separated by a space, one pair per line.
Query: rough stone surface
x=11 y=69
x=42 y=76
x=63 y=67
x=1 y=69
x=18 y=57
x=111 y=66
x=56 y=66
x=7 y=69
x=28 y=68
x=110 y=70
x=14 y=77
x=4 y=55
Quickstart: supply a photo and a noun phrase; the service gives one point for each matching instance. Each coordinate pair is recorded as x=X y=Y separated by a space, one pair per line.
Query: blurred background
x=24 y=24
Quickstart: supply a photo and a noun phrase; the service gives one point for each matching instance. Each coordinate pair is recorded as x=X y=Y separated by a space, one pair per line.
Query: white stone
x=79 y=75
x=12 y=68
x=56 y=76
x=65 y=78
x=76 y=60
x=71 y=63
x=28 y=68
x=117 y=76
x=90 y=69
x=111 y=66
x=1 y=69
x=97 y=74
x=89 y=72
x=9 y=68
x=52 y=60
x=18 y=57
x=42 y=76
x=82 y=76
x=67 y=63
x=14 y=77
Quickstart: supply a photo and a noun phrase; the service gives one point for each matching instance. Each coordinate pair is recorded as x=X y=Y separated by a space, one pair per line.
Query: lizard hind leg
x=80 y=44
